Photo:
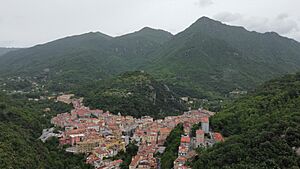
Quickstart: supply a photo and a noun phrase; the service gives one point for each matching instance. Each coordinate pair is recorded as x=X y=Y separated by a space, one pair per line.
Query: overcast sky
x=25 y=23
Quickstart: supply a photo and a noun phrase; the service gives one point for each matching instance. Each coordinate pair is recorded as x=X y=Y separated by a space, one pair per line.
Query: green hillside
x=214 y=58
x=78 y=59
x=207 y=60
x=263 y=129
x=21 y=123
x=133 y=93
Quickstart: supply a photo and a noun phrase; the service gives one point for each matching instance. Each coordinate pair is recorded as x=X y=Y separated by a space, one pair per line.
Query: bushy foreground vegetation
x=263 y=129
x=21 y=123
x=133 y=93
x=172 y=143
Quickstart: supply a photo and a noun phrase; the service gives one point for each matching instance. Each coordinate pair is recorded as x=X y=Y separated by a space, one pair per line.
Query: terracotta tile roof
x=185 y=139
x=183 y=149
x=181 y=159
x=199 y=131
x=218 y=137
x=205 y=119
x=135 y=160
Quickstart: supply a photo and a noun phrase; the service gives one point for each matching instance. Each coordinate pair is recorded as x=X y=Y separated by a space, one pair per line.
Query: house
x=205 y=124
x=179 y=162
x=65 y=98
x=75 y=138
x=100 y=153
x=91 y=159
x=134 y=162
x=183 y=151
x=110 y=164
x=185 y=141
x=218 y=137
x=199 y=138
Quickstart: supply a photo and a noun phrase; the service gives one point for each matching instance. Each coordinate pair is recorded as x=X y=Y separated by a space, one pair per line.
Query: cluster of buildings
x=93 y=132
x=203 y=138
x=152 y=134
x=102 y=135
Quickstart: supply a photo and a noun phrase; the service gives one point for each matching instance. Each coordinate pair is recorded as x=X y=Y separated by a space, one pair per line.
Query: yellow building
x=88 y=145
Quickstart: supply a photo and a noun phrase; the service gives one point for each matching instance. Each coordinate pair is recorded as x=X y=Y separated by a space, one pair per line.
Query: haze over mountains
x=209 y=57
x=6 y=50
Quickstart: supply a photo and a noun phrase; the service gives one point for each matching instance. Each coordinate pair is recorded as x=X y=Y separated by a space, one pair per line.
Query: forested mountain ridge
x=133 y=93
x=262 y=129
x=207 y=60
x=80 y=58
x=215 y=58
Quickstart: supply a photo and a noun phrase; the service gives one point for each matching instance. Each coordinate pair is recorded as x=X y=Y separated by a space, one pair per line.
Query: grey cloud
x=204 y=3
x=6 y=43
x=282 y=16
x=281 y=24
x=286 y=27
x=33 y=21
x=259 y=24
x=297 y=36
x=228 y=16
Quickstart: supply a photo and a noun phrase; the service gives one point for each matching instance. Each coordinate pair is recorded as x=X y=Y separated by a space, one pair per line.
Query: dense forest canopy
x=207 y=60
x=133 y=93
x=172 y=143
x=263 y=129
x=21 y=123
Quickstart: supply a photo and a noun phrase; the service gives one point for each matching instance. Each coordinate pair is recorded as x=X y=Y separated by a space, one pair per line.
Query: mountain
x=133 y=93
x=67 y=56
x=6 y=50
x=262 y=129
x=214 y=58
x=76 y=59
x=207 y=60
x=155 y=35
x=135 y=48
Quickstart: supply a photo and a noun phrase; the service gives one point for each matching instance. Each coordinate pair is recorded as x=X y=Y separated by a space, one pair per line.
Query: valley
x=102 y=136
x=210 y=96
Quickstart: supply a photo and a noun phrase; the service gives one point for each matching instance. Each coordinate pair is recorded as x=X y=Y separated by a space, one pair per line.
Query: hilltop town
x=101 y=135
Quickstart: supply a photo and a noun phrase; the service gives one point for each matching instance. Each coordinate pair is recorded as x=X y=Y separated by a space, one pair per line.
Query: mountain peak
x=207 y=20
x=147 y=29
x=152 y=30
x=156 y=35
x=96 y=34
x=205 y=24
